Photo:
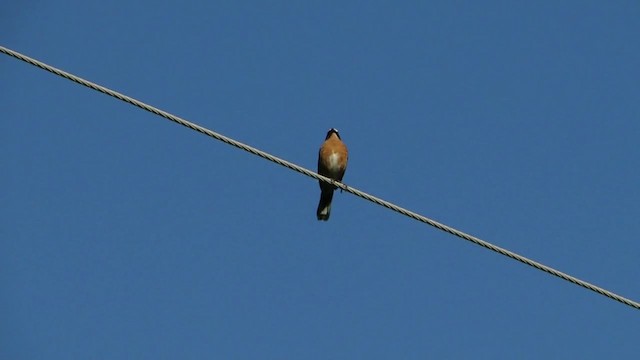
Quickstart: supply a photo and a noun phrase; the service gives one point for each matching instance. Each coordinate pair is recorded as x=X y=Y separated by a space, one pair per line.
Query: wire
x=314 y=175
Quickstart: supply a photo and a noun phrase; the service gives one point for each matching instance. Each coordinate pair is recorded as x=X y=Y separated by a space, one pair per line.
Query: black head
x=332 y=131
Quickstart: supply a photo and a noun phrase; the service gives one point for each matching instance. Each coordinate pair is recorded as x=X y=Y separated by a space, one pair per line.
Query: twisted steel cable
x=314 y=175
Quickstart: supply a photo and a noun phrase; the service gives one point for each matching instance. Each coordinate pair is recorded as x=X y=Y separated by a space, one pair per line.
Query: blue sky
x=124 y=235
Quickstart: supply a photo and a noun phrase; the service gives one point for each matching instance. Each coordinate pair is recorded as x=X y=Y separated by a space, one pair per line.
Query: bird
x=332 y=163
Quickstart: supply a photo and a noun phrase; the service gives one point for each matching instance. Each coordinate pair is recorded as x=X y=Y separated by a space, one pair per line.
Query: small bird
x=332 y=163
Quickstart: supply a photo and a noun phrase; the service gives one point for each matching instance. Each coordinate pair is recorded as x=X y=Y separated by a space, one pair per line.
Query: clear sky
x=123 y=235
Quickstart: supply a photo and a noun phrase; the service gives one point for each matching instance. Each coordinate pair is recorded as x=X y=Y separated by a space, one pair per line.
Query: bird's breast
x=335 y=162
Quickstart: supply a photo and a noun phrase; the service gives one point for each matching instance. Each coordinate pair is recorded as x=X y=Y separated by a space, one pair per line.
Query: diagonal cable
x=314 y=175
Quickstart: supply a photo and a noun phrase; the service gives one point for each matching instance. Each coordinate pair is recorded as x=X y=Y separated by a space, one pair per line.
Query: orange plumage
x=332 y=163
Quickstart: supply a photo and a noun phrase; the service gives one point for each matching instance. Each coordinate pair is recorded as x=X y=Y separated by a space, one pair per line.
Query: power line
x=314 y=175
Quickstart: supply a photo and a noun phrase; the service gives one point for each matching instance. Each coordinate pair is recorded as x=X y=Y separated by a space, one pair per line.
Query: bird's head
x=331 y=132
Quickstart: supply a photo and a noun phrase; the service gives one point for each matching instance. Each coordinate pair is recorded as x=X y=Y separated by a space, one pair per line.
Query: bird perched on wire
x=332 y=163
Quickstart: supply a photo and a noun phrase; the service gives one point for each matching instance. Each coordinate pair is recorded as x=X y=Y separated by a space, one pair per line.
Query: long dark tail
x=324 y=207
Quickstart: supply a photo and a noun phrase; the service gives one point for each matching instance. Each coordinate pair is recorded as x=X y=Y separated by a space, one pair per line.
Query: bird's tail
x=324 y=207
